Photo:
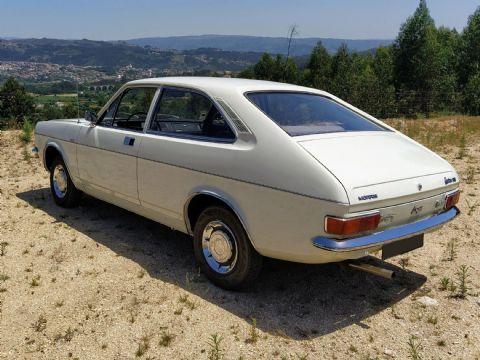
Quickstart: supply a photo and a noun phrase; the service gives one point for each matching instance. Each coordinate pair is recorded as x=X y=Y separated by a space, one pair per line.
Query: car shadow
x=296 y=301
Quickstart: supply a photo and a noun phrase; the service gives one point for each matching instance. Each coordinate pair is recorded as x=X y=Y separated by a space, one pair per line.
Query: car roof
x=216 y=86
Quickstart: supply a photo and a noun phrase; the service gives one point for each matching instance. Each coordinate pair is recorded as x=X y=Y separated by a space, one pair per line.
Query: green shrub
x=27 y=131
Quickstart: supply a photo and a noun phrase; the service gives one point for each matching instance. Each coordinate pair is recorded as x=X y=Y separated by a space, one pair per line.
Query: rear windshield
x=306 y=114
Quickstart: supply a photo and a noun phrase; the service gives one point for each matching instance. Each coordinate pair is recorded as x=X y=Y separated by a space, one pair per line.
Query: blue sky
x=125 y=19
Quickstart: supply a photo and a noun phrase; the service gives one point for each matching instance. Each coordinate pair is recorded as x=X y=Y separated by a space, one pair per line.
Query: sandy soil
x=98 y=282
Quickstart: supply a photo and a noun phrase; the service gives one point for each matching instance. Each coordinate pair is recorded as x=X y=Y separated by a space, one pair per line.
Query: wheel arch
x=53 y=149
x=200 y=199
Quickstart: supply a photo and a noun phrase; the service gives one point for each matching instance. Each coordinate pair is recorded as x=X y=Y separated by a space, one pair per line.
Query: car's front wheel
x=223 y=250
x=64 y=192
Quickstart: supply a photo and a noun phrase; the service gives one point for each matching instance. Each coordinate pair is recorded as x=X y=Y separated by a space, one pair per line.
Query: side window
x=107 y=117
x=130 y=110
x=189 y=113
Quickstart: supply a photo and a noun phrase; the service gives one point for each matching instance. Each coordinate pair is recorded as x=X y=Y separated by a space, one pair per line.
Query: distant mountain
x=113 y=55
x=274 y=45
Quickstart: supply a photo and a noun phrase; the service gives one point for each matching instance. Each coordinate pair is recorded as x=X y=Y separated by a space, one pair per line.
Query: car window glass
x=132 y=109
x=184 y=112
x=107 y=117
x=305 y=114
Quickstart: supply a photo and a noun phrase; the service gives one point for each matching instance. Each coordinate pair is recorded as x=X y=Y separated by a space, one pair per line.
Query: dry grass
x=441 y=133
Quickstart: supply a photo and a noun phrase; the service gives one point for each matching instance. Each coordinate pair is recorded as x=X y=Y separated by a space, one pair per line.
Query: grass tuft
x=451 y=250
x=166 y=339
x=41 y=324
x=143 y=346
x=414 y=348
x=253 y=334
x=3 y=247
x=215 y=351
x=463 y=282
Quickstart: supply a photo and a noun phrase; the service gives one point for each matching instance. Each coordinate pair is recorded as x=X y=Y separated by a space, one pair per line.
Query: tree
x=15 y=102
x=472 y=95
x=447 y=95
x=273 y=69
x=416 y=61
x=469 y=64
x=383 y=67
x=50 y=112
x=342 y=74
x=70 y=111
x=247 y=73
x=286 y=70
x=319 y=68
x=264 y=69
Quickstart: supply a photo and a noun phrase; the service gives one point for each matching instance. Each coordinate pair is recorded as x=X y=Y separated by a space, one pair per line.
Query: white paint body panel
x=281 y=187
x=106 y=163
x=382 y=163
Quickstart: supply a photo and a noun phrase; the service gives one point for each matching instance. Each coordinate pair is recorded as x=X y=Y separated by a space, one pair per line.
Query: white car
x=252 y=169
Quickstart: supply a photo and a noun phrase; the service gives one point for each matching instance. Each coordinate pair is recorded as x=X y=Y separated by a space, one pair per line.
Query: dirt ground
x=98 y=282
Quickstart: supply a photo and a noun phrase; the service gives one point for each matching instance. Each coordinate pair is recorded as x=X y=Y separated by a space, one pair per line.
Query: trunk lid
x=381 y=166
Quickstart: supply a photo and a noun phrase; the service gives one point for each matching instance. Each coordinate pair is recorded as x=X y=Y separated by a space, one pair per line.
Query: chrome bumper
x=386 y=236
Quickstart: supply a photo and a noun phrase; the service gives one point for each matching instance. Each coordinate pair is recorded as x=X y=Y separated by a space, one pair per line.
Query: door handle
x=129 y=141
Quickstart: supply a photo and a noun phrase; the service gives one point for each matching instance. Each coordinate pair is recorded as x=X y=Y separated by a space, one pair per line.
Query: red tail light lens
x=352 y=226
x=452 y=200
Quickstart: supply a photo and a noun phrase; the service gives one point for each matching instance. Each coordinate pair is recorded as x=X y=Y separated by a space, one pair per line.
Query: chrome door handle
x=129 y=141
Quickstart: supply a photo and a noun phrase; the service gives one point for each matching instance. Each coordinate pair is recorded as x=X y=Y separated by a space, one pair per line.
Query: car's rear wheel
x=223 y=250
x=64 y=192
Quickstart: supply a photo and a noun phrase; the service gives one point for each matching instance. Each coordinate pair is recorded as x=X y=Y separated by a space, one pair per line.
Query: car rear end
x=397 y=189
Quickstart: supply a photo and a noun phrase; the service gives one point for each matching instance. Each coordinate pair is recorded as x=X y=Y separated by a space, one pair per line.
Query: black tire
x=248 y=262
x=71 y=197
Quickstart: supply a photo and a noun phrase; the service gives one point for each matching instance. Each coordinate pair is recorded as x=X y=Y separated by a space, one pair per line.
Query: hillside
x=113 y=55
x=274 y=45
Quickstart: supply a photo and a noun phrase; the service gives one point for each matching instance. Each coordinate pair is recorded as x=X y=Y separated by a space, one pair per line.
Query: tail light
x=452 y=200
x=351 y=226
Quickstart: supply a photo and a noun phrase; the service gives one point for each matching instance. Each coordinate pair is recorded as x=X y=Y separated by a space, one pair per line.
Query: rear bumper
x=384 y=237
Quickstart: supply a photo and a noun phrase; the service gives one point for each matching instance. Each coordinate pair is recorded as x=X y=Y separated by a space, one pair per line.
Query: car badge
x=416 y=209
x=419 y=187
x=449 y=180
x=367 y=197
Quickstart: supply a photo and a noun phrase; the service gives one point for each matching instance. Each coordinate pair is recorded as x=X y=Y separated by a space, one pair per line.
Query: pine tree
x=417 y=62
x=319 y=68
x=342 y=74
x=469 y=64
x=264 y=69
x=383 y=66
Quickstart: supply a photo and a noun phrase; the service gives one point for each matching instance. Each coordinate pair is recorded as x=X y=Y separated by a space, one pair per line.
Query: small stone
x=427 y=301
x=389 y=353
x=478 y=302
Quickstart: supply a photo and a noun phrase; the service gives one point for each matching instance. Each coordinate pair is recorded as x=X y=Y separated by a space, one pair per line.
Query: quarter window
x=188 y=113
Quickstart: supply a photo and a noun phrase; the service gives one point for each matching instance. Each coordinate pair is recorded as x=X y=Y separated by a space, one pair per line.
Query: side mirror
x=89 y=116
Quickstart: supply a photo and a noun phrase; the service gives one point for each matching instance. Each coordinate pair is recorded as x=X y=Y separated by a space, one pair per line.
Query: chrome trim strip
x=386 y=236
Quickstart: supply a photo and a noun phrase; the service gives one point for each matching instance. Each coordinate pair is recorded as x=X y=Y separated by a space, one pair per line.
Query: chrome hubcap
x=60 y=181
x=219 y=247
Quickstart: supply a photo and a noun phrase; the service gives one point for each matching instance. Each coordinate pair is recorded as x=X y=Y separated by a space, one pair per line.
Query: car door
x=107 y=152
x=187 y=131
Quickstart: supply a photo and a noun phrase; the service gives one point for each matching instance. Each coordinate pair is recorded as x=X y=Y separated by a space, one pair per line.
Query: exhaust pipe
x=372 y=269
